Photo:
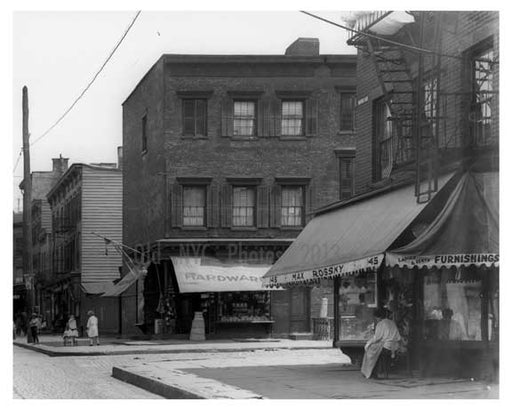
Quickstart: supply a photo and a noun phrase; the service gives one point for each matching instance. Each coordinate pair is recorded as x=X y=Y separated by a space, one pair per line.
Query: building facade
x=85 y=208
x=426 y=243
x=226 y=156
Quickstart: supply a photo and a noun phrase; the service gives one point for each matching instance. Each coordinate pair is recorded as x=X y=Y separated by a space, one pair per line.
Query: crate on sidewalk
x=323 y=328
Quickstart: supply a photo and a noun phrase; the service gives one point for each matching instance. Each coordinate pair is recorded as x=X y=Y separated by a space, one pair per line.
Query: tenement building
x=86 y=208
x=225 y=158
x=420 y=238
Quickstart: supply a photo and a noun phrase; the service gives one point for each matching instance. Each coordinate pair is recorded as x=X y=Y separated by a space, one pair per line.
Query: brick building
x=228 y=155
x=85 y=202
x=425 y=245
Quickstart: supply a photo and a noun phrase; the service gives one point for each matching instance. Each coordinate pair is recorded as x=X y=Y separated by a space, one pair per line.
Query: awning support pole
x=336 y=299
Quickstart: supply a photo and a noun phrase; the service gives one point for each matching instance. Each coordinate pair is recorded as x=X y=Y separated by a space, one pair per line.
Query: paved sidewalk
x=286 y=374
x=52 y=345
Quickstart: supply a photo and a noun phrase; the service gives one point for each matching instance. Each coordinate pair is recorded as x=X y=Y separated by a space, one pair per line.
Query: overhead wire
x=17 y=161
x=91 y=82
x=369 y=35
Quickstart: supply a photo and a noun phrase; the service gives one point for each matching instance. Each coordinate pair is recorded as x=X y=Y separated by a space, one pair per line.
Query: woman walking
x=92 y=329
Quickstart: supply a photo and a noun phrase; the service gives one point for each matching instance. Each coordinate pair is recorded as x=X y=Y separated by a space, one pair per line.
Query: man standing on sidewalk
x=381 y=348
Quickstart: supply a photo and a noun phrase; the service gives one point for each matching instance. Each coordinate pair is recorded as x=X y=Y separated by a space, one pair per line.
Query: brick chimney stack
x=304 y=47
x=60 y=165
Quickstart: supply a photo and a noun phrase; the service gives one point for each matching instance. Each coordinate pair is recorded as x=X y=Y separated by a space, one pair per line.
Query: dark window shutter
x=176 y=205
x=213 y=205
x=201 y=117
x=275 y=206
x=262 y=206
x=311 y=117
x=227 y=118
x=275 y=124
x=226 y=206
x=260 y=110
x=309 y=192
x=188 y=117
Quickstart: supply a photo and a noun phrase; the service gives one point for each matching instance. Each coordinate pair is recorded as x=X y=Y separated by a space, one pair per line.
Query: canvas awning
x=349 y=239
x=196 y=275
x=95 y=288
x=465 y=232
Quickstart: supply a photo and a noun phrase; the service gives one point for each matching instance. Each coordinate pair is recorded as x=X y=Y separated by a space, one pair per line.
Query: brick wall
x=461 y=31
x=149 y=177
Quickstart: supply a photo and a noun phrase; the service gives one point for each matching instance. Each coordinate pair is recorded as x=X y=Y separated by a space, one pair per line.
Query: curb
x=153 y=386
x=56 y=353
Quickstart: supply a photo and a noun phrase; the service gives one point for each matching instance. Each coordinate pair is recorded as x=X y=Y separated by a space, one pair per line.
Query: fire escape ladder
x=397 y=87
x=426 y=130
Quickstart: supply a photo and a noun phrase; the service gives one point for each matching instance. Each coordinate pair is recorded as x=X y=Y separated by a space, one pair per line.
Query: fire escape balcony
x=364 y=22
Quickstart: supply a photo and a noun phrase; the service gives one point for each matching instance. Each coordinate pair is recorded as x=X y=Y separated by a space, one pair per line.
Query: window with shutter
x=347 y=111
x=244 y=118
x=292 y=205
x=292 y=117
x=346 y=178
x=194 y=117
x=244 y=206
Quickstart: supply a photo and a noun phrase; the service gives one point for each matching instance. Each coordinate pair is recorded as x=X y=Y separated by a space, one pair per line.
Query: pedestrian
x=71 y=331
x=34 y=325
x=381 y=348
x=92 y=328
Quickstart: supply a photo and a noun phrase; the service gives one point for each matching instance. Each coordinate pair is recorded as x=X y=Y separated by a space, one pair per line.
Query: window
x=292 y=118
x=483 y=74
x=292 y=205
x=244 y=118
x=194 y=117
x=244 y=200
x=194 y=204
x=346 y=177
x=383 y=163
x=430 y=101
x=347 y=105
x=144 y=133
x=357 y=298
x=453 y=305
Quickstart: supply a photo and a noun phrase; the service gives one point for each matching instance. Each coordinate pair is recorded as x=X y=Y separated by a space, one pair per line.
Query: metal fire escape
x=411 y=99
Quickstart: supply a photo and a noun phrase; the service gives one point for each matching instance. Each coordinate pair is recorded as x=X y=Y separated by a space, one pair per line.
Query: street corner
x=177 y=384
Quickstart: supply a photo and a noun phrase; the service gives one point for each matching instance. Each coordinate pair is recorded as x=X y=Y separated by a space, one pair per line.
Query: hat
x=90 y=313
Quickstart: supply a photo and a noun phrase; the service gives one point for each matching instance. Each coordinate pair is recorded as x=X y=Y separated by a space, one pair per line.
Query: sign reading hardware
x=195 y=275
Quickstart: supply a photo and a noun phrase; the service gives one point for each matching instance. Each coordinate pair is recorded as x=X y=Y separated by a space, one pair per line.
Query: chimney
x=304 y=47
x=120 y=157
x=60 y=165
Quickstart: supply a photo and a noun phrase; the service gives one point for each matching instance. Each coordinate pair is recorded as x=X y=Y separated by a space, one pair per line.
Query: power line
x=396 y=43
x=91 y=82
x=17 y=161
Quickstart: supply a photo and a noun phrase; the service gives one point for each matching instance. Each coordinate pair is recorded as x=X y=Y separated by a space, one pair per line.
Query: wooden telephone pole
x=28 y=274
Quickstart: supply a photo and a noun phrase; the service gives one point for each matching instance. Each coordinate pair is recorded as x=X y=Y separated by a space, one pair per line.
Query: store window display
x=452 y=305
x=357 y=300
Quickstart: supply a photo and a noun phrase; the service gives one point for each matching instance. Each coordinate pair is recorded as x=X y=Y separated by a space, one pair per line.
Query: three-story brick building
x=225 y=157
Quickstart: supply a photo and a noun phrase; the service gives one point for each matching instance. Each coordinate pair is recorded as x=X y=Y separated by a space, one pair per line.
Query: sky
x=57 y=53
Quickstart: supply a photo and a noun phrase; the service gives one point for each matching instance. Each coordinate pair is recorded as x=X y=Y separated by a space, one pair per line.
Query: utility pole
x=28 y=273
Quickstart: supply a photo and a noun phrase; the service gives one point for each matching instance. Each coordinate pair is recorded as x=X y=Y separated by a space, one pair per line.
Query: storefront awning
x=465 y=232
x=348 y=240
x=196 y=275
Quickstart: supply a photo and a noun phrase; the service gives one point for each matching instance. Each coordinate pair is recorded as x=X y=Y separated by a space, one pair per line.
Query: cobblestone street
x=37 y=376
